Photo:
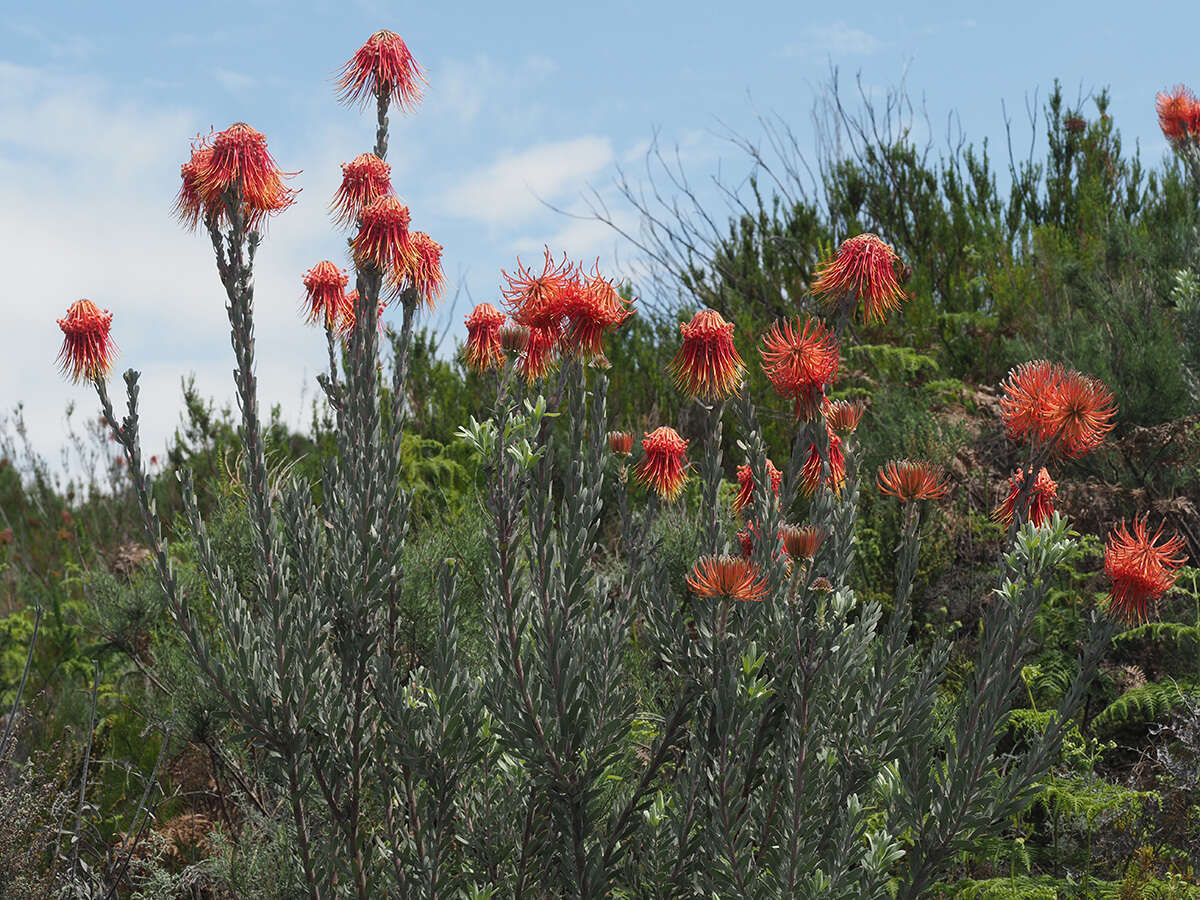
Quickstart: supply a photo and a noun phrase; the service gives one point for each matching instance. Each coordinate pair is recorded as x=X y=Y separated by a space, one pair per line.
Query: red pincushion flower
x=350 y=317
x=541 y=351
x=1041 y=501
x=1080 y=413
x=1178 y=114
x=908 y=480
x=1142 y=567
x=708 y=364
x=663 y=467
x=620 y=443
x=239 y=158
x=800 y=362
x=802 y=541
x=365 y=179
x=191 y=206
x=383 y=239
x=593 y=309
x=843 y=416
x=537 y=301
x=746 y=538
x=483 y=338
x=864 y=268
x=88 y=349
x=325 y=293
x=810 y=475
x=382 y=66
x=727 y=576
x=1025 y=397
x=745 y=477
x=424 y=271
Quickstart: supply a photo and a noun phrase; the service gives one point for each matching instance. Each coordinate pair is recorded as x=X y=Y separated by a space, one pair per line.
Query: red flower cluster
x=325 y=297
x=1142 y=567
x=383 y=238
x=707 y=364
x=483 y=349
x=908 y=480
x=864 y=268
x=727 y=576
x=843 y=416
x=88 y=349
x=1041 y=501
x=620 y=443
x=383 y=66
x=745 y=477
x=1178 y=115
x=1065 y=410
x=663 y=467
x=235 y=159
x=810 y=475
x=800 y=363
x=365 y=179
x=593 y=308
x=424 y=271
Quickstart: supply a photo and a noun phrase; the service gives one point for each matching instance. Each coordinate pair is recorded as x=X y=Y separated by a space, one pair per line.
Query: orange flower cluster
x=727 y=576
x=707 y=364
x=235 y=159
x=800 y=362
x=325 y=298
x=843 y=416
x=810 y=475
x=383 y=66
x=908 y=480
x=88 y=349
x=1061 y=409
x=365 y=179
x=483 y=350
x=745 y=477
x=663 y=467
x=1041 y=501
x=864 y=268
x=1141 y=566
x=1178 y=115
x=424 y=271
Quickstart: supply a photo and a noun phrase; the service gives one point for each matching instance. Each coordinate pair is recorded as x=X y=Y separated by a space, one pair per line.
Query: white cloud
x=233 y=81
x=511 y=190
x=835 y=39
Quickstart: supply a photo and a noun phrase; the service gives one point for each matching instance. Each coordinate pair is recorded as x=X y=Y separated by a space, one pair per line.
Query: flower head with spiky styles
x=88 y=349
x=1141 y=566
x=1041 y=500
x=707 y=364
x=664 y=466
x=350 y=318
x=239 y=159
x=540 y=357
x=365 y=179
x=383 y=238
x=810 y=475
x=913 y=479
x=864 y=268
x=483 y=350
x=383 y=66
x=1080 y=414
x=593 y=310
x=745 y=477
x=801 y=361
x=843 y=416
x=1178 y=114
x=620 y=443
x=727 y=576
x=802 y=541
x=1025 y=398
x=325 y=293
x=424 y=270
x=539 y=300
x=191 y=206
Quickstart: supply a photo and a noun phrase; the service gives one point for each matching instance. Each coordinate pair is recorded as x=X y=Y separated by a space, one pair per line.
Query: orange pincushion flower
x=1080 y=413
x=1178 y=114
x=593 y=309
x=864 y=268
x=325 y=293
x=239 y=158
x=620 y=443
x=88 y=349
x=802 y=541
x=1142 y=567
x=424 y=270
x=383 y=239
x=191 y=206
x=908 y=480
x=483 y=338
x=663 y=467
x=382 y=66
x=365 y=179
x=727 y=576
x=708 y=364
x=745 y=477
x=843 y=416
x=350 y=317
x=540 y=355
x=1041 y=501
x=810 y=475
x=540 y=300
x=1026 y=397
x=800 y=362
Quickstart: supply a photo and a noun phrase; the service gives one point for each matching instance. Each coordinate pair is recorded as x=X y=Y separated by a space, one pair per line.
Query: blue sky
x=528 y=102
